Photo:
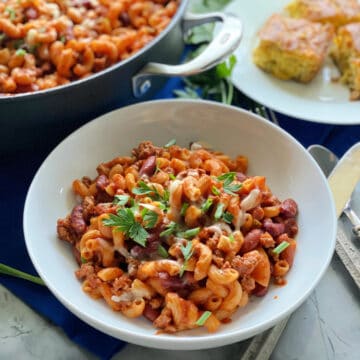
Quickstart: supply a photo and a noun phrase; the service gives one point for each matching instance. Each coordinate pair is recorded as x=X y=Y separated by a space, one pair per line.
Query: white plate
x=271 y=151
x=322 y=100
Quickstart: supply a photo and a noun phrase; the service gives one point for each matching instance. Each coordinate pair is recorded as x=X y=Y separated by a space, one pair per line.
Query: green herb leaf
x=20 y=52
x=230 y=176
x=206 y=205
x=150 y=219
x=144 y=189
x=184 y=207
x=172 y=176
x=219 y=211
x=191 y=233
x=281 y=247
x=231 y=238
x=63 y=39
x=125 y=221
x=7 y=270
x=170 y=143
x=231 y=189
x=162 y=252
x=187 y=253
x=11 y=12
x=83 y=260
x=121 y=200
x=228 y=186
x=215 y=190
x=202 y=319
x=228 y=218
x=170 y=229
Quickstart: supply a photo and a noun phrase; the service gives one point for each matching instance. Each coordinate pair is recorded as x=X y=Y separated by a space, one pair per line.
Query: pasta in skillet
x=47 y=43
x=180 y=236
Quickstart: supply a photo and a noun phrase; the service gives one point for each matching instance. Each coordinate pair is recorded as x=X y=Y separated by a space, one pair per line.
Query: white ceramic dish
x=290 y=172
x=322 y=100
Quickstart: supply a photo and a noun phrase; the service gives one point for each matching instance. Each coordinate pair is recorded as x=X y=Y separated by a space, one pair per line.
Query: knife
x=344 y=177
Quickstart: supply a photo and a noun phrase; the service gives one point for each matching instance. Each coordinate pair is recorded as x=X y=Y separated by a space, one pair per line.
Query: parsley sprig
x=144 y=189
x=125 y=221
x=228 y=185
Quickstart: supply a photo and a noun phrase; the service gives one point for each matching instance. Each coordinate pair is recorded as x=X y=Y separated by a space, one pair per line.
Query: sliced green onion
x=202 y=319
x=184 y=207
x=228 y=218
x=219 y=211
x=190 y=233
x=206 y=205
x=7 y=270
x=281 y=247
x=215 y=190
x=162 y=251
x=170 y=143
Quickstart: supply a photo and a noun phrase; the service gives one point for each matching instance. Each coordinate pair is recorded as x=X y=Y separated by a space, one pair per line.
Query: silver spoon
x=327 y=161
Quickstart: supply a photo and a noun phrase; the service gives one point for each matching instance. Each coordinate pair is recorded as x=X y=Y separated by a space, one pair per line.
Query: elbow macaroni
x=44 y=44
x=194 y=258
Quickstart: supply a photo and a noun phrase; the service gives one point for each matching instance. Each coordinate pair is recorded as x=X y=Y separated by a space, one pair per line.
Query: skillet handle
x=223 y=44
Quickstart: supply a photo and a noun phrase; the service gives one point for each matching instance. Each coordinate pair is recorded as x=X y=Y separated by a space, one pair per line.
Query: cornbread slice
x=337 y=12
x=345 y=52
x=292 y=48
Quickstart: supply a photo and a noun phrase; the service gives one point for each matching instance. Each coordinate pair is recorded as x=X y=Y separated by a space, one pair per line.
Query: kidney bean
x=102 y=182
x=291 y=227
x=260 y=290
x=251 y=240
x=288 y=208
x=274 y=229
x=240 y=176
x=77 y=220
x=150 y=313
x=148 y=167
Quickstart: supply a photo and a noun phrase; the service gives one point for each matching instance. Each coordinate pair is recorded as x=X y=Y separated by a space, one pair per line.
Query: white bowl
x=288 y=167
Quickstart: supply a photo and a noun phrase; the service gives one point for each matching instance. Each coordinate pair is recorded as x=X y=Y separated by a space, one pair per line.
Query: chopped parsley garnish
x=83 y=260
x=219 y=211
x=172 y=176
x=144 y=189
x=228 y=218
x=231 y=238
x=202 y=319
x=170 y=229
x=125 y=221
x=150 y=219
x=281 y=247
x=187 y=253
x=188 y=234
x=162 y=251
x=228 y=185
x=121 y=200
x=170 y=143
x=63 y=39
x=184 y=207
x=206 y=205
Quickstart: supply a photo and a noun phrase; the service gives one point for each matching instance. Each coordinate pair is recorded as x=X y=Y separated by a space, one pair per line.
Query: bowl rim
x=166 y=341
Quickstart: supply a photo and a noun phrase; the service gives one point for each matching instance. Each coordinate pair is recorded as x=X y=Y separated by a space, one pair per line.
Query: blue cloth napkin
x=16 y=173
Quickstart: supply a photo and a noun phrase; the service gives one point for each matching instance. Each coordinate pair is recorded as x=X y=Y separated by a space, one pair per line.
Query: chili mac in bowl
x=185 y=228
